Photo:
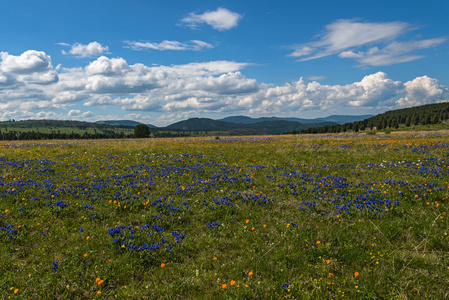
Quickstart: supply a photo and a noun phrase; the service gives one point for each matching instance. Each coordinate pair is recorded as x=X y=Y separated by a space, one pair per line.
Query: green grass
x=399 y=250
x=413 y=128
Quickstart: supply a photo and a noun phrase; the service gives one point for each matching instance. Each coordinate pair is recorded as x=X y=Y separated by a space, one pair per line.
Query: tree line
x=32 y=135
x=418 y=115
x=15 y=135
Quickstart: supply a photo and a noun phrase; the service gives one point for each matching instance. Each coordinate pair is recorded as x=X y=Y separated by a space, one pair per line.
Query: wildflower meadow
x=269 y=217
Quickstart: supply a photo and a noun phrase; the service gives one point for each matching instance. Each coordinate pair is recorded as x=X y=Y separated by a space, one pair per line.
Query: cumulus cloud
x=89 y=50
x=194 y=45
x=423 y=90
x=230 y=83
x=221 y=19
x=169 y=93
x=107 y=66
x=79 y=113
x=6 y=80
x=30 y=67
x=300 y=95
x=30 y=61
x=64 y=97
x=114 y=75
x=343 y=36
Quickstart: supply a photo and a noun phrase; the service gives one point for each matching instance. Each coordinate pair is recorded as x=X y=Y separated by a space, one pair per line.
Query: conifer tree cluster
x=406 y=117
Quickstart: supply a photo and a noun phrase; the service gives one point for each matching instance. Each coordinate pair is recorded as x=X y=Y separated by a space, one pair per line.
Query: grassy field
x=284 y=217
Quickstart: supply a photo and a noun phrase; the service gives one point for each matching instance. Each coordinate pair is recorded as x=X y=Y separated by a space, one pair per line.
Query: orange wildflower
x=232 y=282
x=100 y=282
x=250 y=273
x=247 y=221
x=356 y=274
x=85 y=254
x=162 y=265
x=318 y=242
x=331 y=275
x=99 y=293
x=16 y=291
x=328 y=261
x=224 y=285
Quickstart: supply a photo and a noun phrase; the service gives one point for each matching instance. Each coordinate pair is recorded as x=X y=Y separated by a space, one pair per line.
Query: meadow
x=276 y=217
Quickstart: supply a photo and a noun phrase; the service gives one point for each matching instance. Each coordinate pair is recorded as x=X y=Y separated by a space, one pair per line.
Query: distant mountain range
x=275 y=126
x=246 y=125
x=336 y=119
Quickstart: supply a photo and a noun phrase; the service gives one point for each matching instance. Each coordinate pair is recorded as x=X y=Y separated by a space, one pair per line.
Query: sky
x=159 y=62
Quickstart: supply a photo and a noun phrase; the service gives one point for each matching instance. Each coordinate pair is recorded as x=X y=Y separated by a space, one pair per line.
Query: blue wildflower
x=55 y=266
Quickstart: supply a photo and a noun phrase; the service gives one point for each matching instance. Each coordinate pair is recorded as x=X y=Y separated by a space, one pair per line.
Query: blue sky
x=159 y=62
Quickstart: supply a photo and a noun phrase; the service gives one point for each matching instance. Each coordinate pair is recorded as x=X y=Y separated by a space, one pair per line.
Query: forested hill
x=123 y=123
x=60 y=129
x=58 y=124
x=405 y=117
x=264 y=127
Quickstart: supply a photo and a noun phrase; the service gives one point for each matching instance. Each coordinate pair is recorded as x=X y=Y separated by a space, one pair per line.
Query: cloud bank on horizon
x=33 y=88
x=105 y=86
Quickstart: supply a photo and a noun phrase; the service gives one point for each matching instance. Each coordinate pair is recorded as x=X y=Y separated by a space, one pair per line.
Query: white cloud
x=313 y=78
x=89 y=50
x=423 y=90
x=230 y=83
x=80 y=114
x=342 y=36
x=221 y=19
x=169 y=93
x=115 y=76
x=194 y=45
x=205 y=68
x=107 y=66
x=395 y=52
x=65 y=97
x=30 y=67
x=6 y=80
x=26 y=115
x=74 y=113
x=46 y=115
x=30 y=61
x=373 y=91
